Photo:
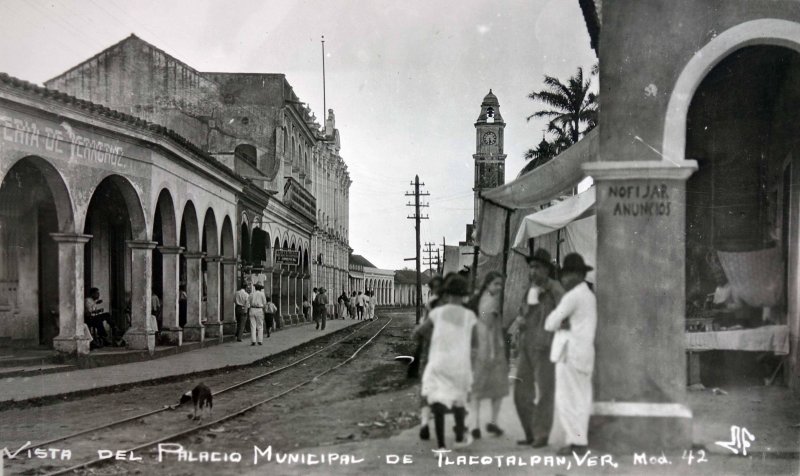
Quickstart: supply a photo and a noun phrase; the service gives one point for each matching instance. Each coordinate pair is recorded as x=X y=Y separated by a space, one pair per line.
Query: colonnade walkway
x=229 y=354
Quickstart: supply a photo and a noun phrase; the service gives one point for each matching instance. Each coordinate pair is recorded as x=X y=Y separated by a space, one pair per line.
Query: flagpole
x=324 y=102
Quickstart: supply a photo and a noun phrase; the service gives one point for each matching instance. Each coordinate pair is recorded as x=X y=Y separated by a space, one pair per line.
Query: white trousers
x=256 y=325
x=572 y=408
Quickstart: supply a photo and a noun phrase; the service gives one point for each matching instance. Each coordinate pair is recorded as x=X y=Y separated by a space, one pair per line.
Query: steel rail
x=227 y=417
x=169 y=407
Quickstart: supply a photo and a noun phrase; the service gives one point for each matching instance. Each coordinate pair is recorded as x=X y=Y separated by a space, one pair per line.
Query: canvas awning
x=556 y=217
x=548 y=181
x=504 y=208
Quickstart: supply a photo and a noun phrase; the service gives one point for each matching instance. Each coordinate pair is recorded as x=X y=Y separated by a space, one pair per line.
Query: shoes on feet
x=466 y=440
x=424 y=433
x=476 y=433
x=525 y=442
x=260 y=343
x=539 y=443
x=238 y=340
x=252 y=344
x=492 y=428
x=568 y=450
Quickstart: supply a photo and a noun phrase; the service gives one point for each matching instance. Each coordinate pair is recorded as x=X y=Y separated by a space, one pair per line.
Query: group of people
x=257 y=309
x=464 y=341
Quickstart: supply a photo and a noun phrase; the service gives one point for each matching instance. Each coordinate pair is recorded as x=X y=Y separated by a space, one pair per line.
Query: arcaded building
x=138 y=175
x=292 y=225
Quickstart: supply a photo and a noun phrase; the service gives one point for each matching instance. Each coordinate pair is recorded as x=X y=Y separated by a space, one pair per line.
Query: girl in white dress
x=447 y=379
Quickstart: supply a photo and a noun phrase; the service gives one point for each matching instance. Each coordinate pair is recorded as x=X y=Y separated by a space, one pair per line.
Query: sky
x=405 y=79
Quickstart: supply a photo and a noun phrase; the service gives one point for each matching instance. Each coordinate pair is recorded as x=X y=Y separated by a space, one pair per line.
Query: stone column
x=640 y=365
x=142 y=333
x=213 y=322
x=228 y=317
x=285 y=311
x=169 y=302
x=71 y=338
x=194 y=331
x=276 y=296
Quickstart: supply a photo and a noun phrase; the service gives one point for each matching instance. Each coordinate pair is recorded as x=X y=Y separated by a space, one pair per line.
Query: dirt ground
x=367 y=398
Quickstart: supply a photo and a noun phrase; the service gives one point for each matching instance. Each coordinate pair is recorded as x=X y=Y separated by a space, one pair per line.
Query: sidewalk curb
x=49 y=399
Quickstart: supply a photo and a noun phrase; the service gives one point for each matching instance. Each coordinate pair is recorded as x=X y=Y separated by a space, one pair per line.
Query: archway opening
x=29 y=212
x=742 y=204
x=189 y=240
x=114 y=216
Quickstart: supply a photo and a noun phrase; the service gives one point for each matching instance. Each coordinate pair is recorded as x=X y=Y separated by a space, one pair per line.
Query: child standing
x=447 y=379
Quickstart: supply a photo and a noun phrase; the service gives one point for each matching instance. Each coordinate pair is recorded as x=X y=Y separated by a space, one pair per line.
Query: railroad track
x=27 y=461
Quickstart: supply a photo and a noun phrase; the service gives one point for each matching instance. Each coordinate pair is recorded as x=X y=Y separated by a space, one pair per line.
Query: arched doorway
x=113 y=218
x=743 y=202
x=190 y=299
x=165 y=265
x=227 y=280
x=210 y=272
x=34 y=202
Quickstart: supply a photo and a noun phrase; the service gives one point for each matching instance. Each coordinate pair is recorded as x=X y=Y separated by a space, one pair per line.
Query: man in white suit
x=574 y=321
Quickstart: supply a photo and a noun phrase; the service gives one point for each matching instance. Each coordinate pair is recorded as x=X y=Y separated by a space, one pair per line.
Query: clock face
x=490 y=138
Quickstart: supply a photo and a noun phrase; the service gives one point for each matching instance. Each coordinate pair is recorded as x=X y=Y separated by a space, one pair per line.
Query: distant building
x=405 y=287
x=365 y=276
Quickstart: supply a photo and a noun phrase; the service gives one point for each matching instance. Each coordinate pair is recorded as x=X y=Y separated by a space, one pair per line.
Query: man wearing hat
x=574 y=321
x=533 y=389
x=321 y=307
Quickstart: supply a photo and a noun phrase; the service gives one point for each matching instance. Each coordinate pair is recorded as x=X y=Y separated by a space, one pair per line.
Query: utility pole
x=438 y=262
x=429 y=251
x=417 y=217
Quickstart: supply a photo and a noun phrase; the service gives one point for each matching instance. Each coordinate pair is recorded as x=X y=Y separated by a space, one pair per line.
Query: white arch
x=767 y=31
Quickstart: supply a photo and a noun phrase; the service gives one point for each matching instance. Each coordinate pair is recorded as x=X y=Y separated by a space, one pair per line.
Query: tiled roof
x=105 y=112
x=592 y=15
x=408 y=276
x=361 y=261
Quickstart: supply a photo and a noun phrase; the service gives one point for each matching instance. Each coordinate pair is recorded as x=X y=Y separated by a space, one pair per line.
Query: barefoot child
x=447 y=378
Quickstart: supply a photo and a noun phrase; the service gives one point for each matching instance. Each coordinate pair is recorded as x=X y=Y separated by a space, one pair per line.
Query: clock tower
x=490 y=168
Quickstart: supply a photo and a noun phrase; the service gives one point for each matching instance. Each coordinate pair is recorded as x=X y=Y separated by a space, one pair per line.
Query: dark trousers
x=241 y=318
x=535 y=369
x=360 y=311
x=269 y=322
x=320 y=316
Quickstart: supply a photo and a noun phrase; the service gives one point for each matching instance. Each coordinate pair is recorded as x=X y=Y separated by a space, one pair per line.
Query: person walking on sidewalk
x=306 y=308
x=491 y=367
x=368 y=305
x=257 y=302
x=534 y=386
x=360 y=300
x=314 y=315
x=342 y=301
x=447 y=378
x=574 y=321
x=269 y=315
x=352 y=306
x=321 y=308
x=240 y=301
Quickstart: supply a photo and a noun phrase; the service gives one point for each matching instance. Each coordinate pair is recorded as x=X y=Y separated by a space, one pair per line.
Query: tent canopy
x=556 y=217
x=549 y=180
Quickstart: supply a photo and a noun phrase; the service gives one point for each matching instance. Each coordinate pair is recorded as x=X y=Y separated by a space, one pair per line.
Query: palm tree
x=571 y=105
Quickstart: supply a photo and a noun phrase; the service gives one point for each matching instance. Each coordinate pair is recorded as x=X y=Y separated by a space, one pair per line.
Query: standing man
x=269 y=315
x=533 y=389
x=314 y=315
x=257 y=302
x=321 y=307
x=360 y=301
x=240 y=300
x=574 y=321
